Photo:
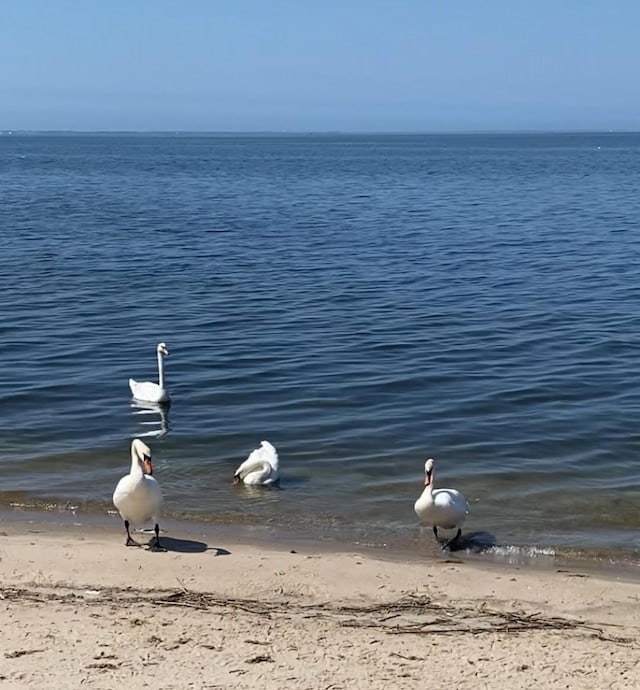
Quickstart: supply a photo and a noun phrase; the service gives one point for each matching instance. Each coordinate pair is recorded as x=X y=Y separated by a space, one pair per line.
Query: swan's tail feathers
x=132 y=386
x=269 y=450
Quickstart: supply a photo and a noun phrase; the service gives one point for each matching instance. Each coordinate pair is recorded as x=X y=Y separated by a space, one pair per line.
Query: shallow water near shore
x=362 y=302
x=222 y=538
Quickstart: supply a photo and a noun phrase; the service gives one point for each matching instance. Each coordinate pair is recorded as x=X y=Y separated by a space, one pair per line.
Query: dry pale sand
x=79 y=609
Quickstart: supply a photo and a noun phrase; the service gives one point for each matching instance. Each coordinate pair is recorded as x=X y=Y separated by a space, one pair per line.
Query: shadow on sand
x=190 y=546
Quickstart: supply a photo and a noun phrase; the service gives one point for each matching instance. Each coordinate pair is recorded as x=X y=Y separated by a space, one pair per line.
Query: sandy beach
x=79 y=609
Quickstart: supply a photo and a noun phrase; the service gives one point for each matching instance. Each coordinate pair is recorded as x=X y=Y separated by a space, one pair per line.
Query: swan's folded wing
x=147 y=391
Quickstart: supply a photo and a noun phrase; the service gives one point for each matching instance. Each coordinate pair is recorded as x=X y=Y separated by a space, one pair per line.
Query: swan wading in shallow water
x=137 y=496
x=147 y=391
x=260 y=468
x=446 y=508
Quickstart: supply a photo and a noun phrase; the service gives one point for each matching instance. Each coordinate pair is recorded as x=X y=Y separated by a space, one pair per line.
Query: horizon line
x=303 y=132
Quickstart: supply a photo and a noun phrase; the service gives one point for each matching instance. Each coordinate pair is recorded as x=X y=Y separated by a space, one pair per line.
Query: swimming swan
x=446 y=508
x=261 y=467
x=137 y=496
x=148 y=391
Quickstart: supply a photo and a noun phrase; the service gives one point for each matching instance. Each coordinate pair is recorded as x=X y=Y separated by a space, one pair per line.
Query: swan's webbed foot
x=444 y=543
x=448 y=544
x=154 y=544
x=130 y=540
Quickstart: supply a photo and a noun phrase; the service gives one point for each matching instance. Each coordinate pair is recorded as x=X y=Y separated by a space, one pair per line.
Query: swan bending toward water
x=261 y=467
x=137 y=496
x=446 y=508
x=147 y=391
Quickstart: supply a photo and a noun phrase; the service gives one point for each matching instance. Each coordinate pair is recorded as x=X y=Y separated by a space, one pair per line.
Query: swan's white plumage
x=147 y=391
x=446 y=508
x=260 y=468
x=137 y=495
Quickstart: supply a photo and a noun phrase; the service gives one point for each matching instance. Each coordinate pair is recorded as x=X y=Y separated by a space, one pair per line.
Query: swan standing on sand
x=446 y=508
x=147 y=391
x=261 y=467
x=137 y=496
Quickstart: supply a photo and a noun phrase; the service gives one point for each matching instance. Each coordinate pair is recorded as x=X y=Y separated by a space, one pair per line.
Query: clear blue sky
x=318 y=65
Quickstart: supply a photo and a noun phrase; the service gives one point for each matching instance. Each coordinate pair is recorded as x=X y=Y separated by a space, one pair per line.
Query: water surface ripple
x=363 y=302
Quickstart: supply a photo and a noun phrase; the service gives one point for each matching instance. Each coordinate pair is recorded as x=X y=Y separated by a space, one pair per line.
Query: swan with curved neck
x=137 y=495
x=445 y=508
x=260 y=468
x=147 y=391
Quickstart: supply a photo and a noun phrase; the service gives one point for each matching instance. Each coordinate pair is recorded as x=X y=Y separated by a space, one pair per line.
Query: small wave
x=522 y=555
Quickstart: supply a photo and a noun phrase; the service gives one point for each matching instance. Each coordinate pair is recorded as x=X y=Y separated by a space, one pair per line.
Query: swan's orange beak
x=427 y=478
x=148 y=467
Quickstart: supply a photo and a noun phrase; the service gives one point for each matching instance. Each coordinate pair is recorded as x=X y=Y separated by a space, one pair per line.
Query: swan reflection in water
x=147 y=408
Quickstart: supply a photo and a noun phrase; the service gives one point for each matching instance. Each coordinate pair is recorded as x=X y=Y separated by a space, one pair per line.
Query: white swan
x=147 y=391
x=261 y=467
x=137 y=496
x=446 y=508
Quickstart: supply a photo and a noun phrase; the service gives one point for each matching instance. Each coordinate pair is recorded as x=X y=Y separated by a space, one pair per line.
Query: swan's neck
x=428 y=481
x=266 y=468
x=427 y=494
x=136 y=468
x=160 y=369
x=262 y=468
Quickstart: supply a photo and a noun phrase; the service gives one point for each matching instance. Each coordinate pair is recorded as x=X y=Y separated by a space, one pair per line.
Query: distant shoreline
x=303 y=133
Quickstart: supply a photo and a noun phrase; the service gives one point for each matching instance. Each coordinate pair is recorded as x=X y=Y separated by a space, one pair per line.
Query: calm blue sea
x=362 y=302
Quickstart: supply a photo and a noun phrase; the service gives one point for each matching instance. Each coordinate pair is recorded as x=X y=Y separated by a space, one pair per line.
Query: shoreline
x=81 y=609
x=276 y=537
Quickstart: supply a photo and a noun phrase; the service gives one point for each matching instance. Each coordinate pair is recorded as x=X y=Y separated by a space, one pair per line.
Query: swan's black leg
x=453 y=540
x=154 y=544
x=130 y=541
x=435 y=531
